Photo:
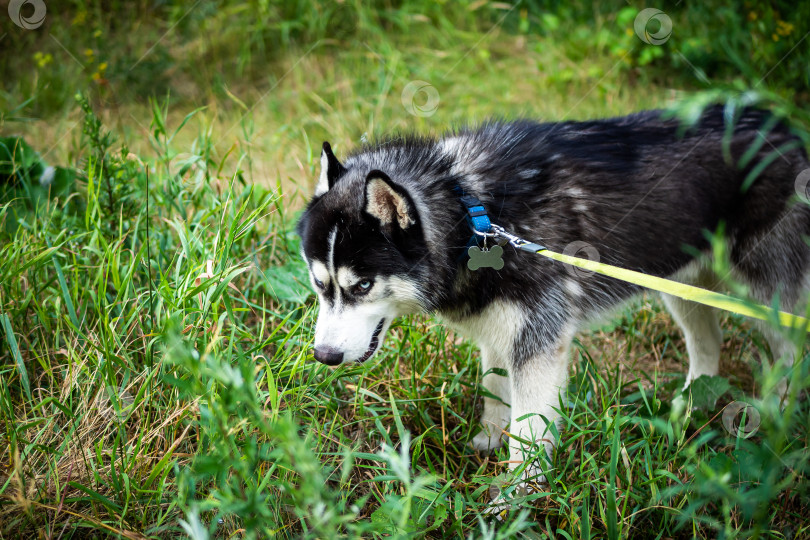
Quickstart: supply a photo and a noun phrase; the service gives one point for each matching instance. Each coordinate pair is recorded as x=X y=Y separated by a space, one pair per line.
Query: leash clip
x=502 y=235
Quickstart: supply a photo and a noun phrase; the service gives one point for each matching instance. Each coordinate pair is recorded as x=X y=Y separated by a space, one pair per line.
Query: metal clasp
x=502 y=234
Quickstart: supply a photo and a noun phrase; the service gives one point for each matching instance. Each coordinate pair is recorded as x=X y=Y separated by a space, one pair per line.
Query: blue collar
x=477 y=216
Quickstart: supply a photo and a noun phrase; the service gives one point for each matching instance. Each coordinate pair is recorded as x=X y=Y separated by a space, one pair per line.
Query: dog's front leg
x=496 y=410
x=536 y=383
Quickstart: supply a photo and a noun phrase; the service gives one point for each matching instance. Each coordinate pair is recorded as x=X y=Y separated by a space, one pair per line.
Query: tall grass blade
x=15 y=351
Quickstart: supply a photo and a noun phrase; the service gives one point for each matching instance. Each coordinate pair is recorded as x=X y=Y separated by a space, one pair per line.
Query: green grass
x=155 y=370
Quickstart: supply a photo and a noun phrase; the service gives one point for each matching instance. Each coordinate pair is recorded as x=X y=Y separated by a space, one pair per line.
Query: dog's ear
x=331 y=170
x=388 y=202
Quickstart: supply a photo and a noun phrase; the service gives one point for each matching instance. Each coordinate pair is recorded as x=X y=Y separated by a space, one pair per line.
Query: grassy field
x=156 y=378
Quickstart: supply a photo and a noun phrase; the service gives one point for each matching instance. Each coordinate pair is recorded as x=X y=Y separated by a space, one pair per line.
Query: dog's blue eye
x=318 y=282
x=363 y=287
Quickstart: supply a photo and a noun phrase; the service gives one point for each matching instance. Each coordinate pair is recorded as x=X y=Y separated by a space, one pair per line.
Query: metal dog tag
x=485 y=258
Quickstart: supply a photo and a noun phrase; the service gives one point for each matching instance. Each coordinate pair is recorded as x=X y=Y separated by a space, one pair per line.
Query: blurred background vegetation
x=203 y=50
x=308 y=71
x=155 y=375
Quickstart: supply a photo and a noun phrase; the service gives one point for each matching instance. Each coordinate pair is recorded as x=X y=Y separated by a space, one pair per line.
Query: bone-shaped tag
x=490 y=258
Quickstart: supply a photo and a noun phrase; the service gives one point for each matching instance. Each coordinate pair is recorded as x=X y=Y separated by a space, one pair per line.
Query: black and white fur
x=384 y=236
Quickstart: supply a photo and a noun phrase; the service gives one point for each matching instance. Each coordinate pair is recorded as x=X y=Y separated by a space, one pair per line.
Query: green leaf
x=611 y=505
x=15 y=351
x=288 y=283
x=18 y=159
x=96 y=496
x=65 y=291
x=381 y=517
x=706 y=390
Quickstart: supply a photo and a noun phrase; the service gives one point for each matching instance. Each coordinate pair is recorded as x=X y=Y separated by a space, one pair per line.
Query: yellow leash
x=687 y=292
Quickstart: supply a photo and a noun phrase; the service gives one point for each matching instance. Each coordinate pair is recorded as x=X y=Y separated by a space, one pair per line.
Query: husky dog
x=385 y=235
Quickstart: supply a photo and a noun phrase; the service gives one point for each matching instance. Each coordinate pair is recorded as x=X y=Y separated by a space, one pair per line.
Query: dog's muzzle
x=333 y=357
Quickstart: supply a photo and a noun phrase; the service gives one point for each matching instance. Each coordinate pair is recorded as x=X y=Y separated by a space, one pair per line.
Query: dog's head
x=361 y=236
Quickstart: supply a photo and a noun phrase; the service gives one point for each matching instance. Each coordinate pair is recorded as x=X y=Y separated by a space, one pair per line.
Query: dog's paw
x=486 y=442
x=498 y=508
x=501 y=503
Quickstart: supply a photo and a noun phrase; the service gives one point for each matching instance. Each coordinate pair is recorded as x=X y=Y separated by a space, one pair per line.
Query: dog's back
x=642 y=191
x=619 y=183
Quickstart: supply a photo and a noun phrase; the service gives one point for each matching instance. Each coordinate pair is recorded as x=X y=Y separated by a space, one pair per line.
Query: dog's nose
x=328 y=356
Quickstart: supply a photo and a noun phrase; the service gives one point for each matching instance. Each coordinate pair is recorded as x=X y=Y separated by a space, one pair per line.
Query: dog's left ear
x=388 y=202
x=331 y=170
